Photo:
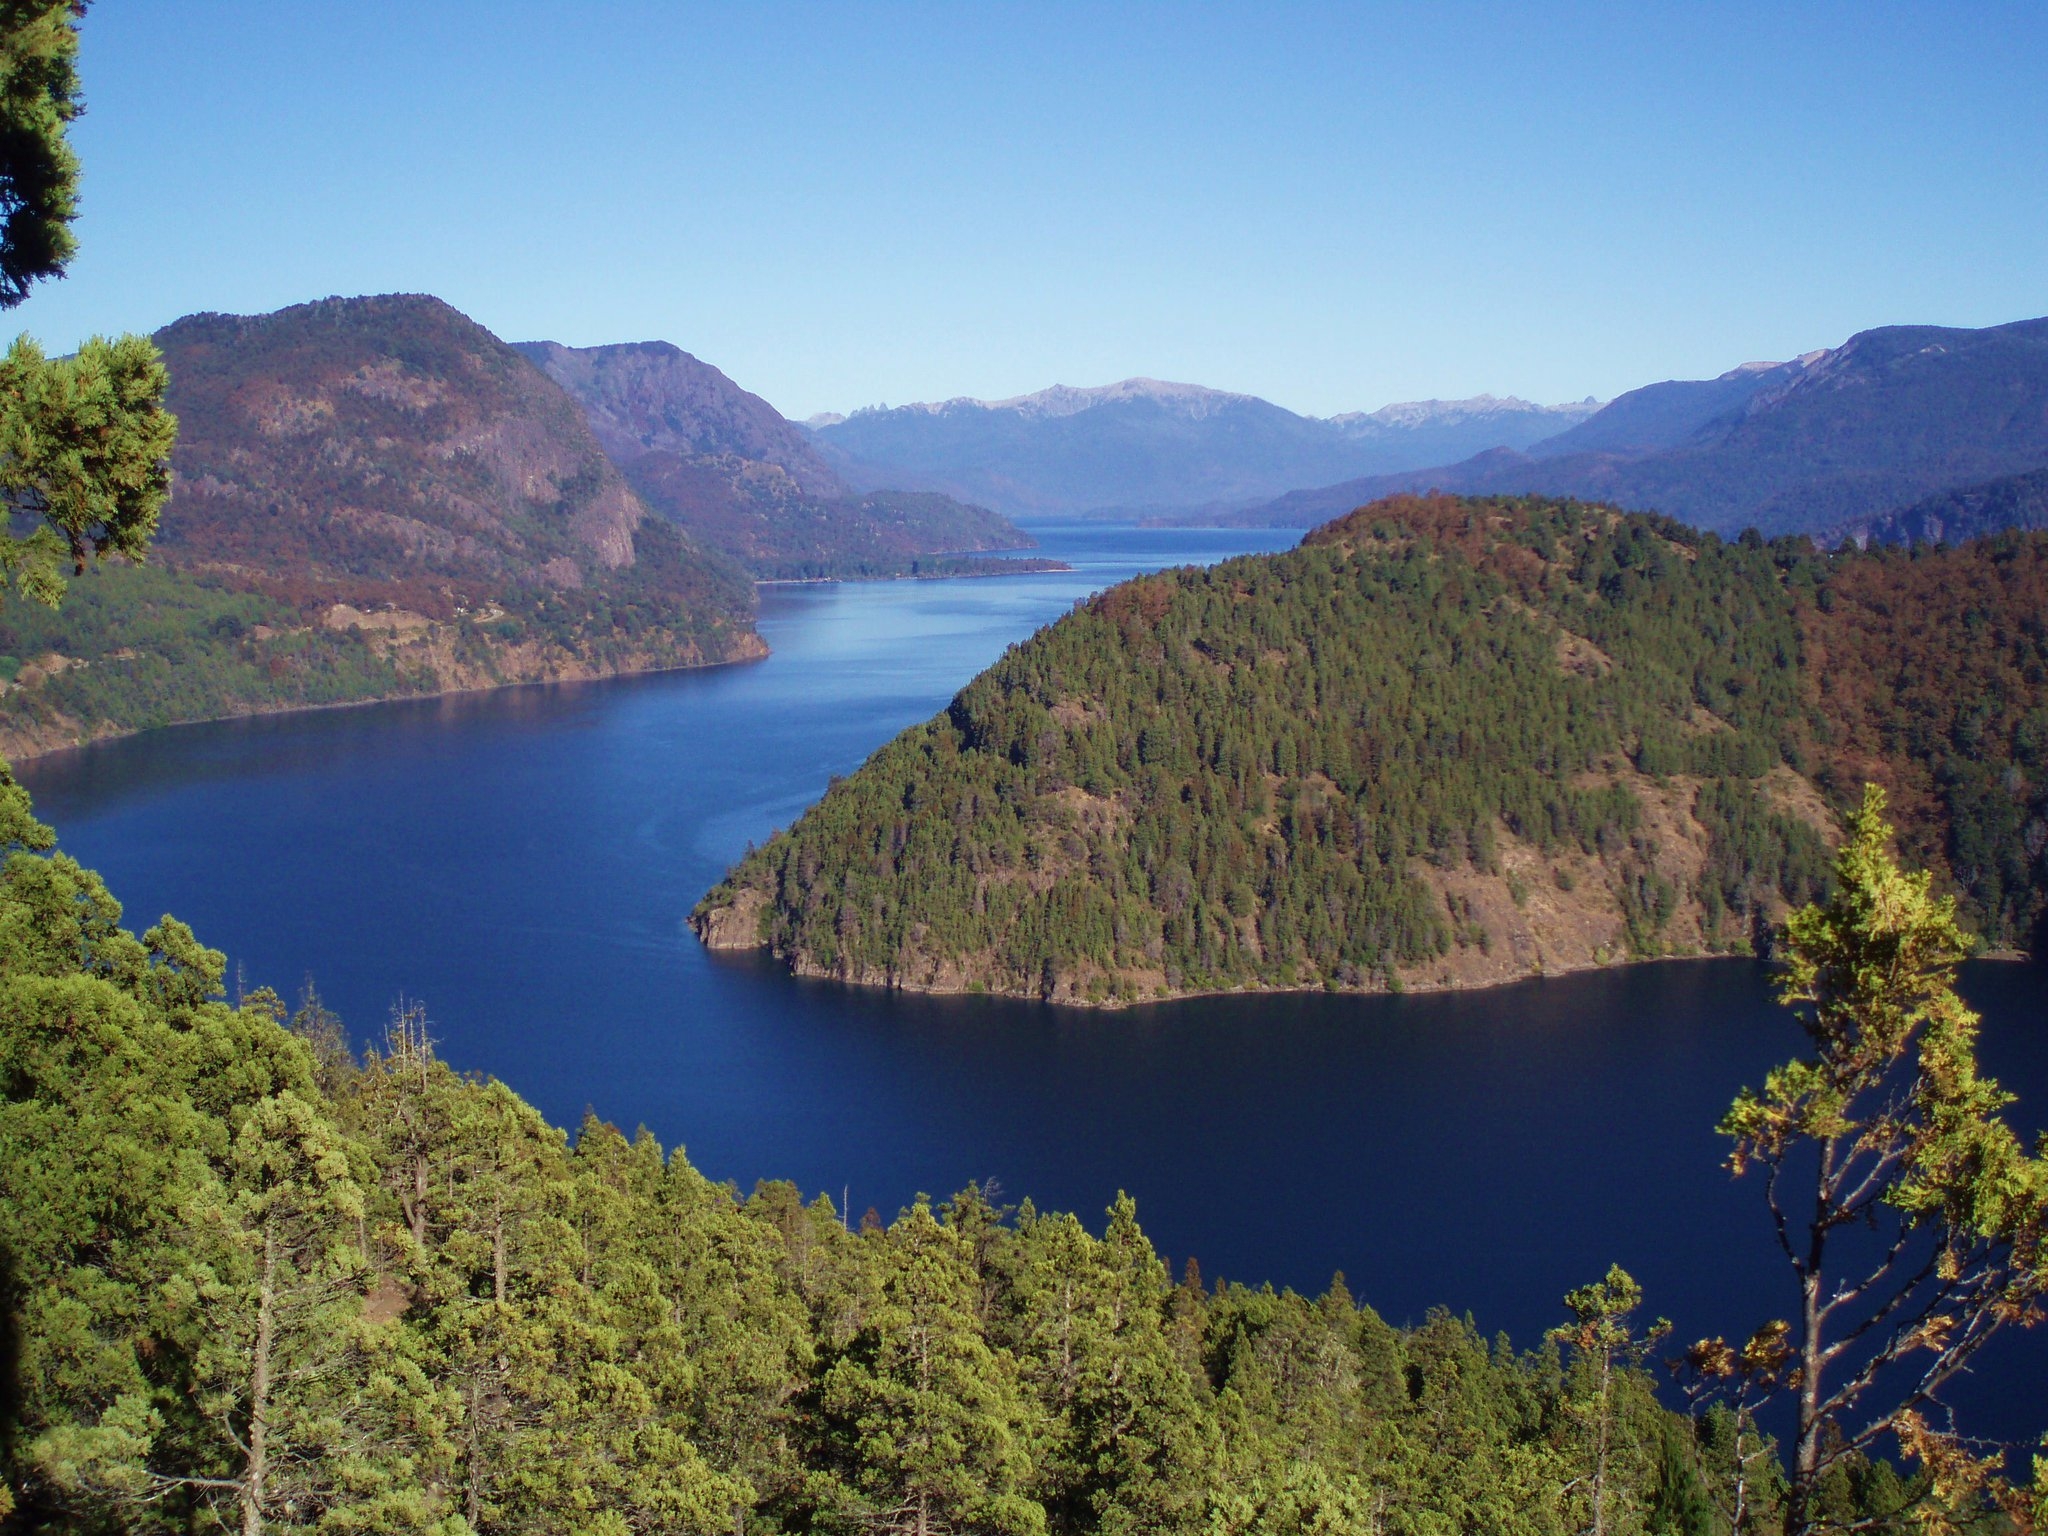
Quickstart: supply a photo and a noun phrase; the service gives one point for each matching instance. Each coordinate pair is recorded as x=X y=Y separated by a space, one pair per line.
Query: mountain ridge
x=729 y=469
x=371 y=497
x=1154 y=445
x=646 y=396
x=1893 y=415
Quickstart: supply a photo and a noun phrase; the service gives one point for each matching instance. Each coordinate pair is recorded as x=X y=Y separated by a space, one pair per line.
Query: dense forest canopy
x=1446 y=741
x=251 y=1281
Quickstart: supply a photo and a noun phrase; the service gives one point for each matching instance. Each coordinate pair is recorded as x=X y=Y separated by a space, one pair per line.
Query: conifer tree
x=1604 y=1344
x=924 y=1420
x=318 y=1408
x=1914 y=1221
x=84 y=440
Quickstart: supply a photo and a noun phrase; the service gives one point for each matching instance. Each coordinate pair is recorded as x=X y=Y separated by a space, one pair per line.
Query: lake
x=523 y=861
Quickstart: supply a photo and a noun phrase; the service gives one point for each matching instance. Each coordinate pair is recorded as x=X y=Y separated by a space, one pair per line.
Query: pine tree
x=321 y=1410
x=922 y=1418
x=1914 y=1222
x=84 y=440
x=1604 y=1344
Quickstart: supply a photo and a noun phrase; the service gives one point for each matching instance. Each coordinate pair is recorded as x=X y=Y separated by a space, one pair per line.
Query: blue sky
x=840 y=204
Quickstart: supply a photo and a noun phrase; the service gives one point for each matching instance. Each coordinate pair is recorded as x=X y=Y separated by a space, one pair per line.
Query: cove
x=522 y=862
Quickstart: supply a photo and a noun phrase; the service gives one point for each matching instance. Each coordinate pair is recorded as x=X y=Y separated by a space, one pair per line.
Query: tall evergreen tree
x=925 y=1421
x=1604 y=1343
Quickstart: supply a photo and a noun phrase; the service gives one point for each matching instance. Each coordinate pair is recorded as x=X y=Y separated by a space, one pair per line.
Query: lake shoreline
x=1026 y=567
x=1419 y=986
x=100 y=737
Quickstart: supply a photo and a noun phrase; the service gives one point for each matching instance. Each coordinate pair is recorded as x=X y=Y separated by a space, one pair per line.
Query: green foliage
x=38 y=170
x=85 y=444
x=1603 y=1341
x=1241 y=776
x=84 y=439
x=143 y=646
x=251 y=1282
x=138 y=647
x=1269 y=773
x=1887 y=1128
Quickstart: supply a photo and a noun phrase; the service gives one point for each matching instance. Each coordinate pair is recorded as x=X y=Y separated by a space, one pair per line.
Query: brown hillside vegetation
x=385 y=457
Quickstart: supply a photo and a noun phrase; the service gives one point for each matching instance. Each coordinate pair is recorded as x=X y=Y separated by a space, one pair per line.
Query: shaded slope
x=1661 y=416
x=2017 y=502
x=1890 y=417
x=653 y=397
x=723 y=465
x=1446 y=742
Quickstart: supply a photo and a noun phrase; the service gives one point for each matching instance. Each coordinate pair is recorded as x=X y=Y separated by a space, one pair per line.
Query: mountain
x=1150 y=445
x=726 y=467
x=2017 y=502
x=1446 y=742
x=1889 y=417
x=1438 y=431
x=1660 y=416
x=371 y=496
x=652 y=397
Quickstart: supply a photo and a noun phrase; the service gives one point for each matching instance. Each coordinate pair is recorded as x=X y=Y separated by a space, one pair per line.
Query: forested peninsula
x=1447 y=742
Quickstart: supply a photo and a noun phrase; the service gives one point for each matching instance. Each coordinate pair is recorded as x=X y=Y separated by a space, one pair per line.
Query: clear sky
x=840 y=204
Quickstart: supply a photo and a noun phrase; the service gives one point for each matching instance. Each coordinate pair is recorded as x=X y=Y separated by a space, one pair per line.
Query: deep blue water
x=523 y=862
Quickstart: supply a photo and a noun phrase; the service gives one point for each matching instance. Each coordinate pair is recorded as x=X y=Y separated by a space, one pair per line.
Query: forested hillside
x=253 y=1283
x=370 y=497
x=1446 y=742
x=2016 y=502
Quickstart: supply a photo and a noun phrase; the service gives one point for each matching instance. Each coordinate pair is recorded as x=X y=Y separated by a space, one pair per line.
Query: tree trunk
x=1600 y=1450
x=256 y=1467
x=419 y=1201
x=1806 y=1448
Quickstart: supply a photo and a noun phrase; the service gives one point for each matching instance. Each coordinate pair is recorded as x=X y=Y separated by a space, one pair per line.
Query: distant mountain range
x=1152 y=446
x=726 y=467
x=1835 y=440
